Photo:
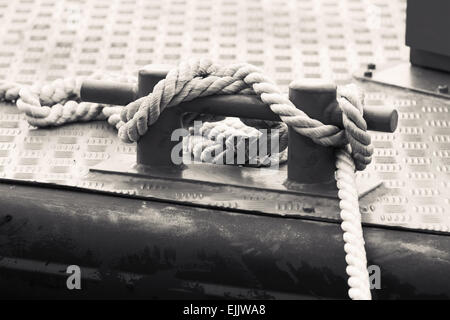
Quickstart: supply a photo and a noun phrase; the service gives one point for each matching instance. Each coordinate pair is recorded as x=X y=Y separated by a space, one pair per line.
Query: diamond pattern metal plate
x=42 y=40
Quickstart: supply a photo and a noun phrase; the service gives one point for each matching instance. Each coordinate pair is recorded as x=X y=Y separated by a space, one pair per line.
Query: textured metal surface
x=48 y=39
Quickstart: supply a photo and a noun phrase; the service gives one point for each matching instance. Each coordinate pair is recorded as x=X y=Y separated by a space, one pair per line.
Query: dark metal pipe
x=242 y=106
x=384 y=119
x=378 y=118
x=108 y=92
x=129 y=248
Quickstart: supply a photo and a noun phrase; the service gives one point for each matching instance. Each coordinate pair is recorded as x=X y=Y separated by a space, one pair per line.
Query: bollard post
x=154 y=148
x=309 y=162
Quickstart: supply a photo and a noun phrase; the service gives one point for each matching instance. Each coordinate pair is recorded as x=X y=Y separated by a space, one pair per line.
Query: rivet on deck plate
x=442 y=88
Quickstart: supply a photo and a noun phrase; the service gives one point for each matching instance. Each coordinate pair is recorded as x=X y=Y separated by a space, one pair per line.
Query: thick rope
x=201 y=78
x=215 y=142
x=356 y=257
x=58 y=103
x=54 y=104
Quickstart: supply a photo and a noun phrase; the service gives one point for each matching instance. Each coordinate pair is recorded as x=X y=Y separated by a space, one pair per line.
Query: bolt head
x=442 y=88
x=368 y=74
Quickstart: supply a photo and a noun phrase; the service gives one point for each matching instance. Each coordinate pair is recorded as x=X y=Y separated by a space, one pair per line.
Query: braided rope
x=351 y=101
x=200 y=78
x=58 y=102
x=218 y=140
x=356 y=257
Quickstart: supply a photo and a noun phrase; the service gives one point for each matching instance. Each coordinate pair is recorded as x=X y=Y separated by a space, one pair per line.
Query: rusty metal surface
x=48 y=39
x=130 y=248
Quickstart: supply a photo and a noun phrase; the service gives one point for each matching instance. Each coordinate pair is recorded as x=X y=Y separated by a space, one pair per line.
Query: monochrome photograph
x=226 y=158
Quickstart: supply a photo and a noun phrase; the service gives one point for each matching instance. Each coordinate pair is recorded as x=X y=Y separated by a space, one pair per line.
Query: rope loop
x=201 y=78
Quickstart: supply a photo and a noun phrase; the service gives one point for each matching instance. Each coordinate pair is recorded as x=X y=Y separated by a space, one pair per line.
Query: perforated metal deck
x=49 y=39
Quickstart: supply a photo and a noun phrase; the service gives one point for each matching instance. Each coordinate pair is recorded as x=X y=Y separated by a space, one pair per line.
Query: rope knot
x=49 y=105
x=201 y=77
x=351 y=101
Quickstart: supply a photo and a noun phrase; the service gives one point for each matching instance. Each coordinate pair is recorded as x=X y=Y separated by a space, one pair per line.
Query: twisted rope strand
x=200 y=78
x=58 y=103
x=351 y=225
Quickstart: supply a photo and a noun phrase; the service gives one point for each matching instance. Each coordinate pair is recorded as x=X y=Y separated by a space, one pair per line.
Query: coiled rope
x=56 y=104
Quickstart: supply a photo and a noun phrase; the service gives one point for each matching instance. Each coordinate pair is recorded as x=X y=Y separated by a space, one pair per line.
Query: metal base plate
x=272 y=179
x=243 y=189
x=406 y=75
